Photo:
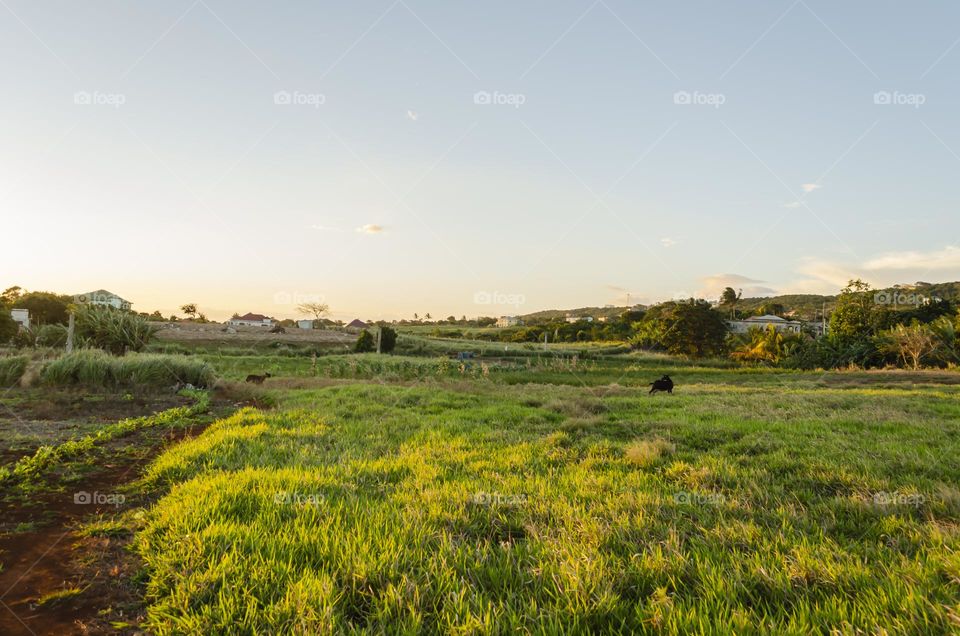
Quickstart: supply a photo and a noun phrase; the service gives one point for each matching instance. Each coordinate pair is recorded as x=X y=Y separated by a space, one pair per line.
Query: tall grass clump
x=11 y=369
x=98 y=369
x=113 y=330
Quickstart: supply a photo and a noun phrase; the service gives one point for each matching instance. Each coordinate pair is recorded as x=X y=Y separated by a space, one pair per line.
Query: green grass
x=99 y=370
x=748 y=502
x=11 y=369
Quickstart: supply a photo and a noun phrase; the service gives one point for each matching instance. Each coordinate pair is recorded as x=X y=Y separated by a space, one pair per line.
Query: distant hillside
x=802 y=306
x=559 y=314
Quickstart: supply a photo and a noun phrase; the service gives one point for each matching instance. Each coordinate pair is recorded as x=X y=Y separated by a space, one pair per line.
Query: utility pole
x=379 y=331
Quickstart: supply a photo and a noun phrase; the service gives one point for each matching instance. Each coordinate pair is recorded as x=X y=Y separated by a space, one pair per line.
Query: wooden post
x=70 y=326
x=379 y=331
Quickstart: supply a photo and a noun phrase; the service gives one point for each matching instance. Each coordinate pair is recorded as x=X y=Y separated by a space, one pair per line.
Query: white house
x=305 y=324
x=103 y=297
x=21 y=317
x=251 y=320
x=762 y=322
x=508 y=321
x=573 y=319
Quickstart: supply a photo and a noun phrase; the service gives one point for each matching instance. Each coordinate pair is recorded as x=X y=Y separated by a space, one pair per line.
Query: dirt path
x=47 y=555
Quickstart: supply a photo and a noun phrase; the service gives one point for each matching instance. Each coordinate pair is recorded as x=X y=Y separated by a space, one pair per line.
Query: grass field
x=545 y=498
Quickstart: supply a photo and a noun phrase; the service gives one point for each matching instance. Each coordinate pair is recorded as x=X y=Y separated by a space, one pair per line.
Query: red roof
x=253 y=317
x=359 y=324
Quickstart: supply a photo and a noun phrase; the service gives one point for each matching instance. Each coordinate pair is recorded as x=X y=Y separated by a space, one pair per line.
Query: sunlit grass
x=560 y=508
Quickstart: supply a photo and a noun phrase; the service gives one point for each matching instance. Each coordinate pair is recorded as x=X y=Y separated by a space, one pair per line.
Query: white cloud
x=667 y=242
x=946 y=258
x=810 y=187
x=370 y=228
x=412 y=115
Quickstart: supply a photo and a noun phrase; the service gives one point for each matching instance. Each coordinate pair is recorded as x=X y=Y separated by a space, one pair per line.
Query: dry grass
x=646 y=452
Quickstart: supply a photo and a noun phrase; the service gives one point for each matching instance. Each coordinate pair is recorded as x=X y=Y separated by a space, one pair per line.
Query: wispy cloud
x=792 y=204
x=810 y=187
x=946 y=258
x=667 y=241
x=370 y=228
x=412 y=115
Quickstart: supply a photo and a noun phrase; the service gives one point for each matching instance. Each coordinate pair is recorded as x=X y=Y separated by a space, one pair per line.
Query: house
x=573 y=319
x=104 y=298
x=762 y=322
x=21 y=317
x=252 y=320
x=305 y=324
x=509 y=321
x=357 y=324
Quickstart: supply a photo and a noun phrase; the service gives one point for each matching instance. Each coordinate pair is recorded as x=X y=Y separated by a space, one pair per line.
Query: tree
x=10 y=295
x=190 y=309
x=365 y=343
x=730 y=298
x=8 y=327
x=427 y=316
x=317 y=310
x=766 y=345
x=912 y=344
x=857 y=315
x=46 y=308
x=689 y=327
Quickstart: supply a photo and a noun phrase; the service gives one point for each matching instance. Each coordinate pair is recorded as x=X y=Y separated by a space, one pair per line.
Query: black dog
x=663 y=384
x=257 y=379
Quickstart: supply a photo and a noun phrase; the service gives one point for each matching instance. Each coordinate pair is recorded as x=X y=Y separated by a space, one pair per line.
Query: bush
x=98 y=369
x=11 y=369
x=388 y=339
x=112 y=330
x=8 y=326
x=365 y=343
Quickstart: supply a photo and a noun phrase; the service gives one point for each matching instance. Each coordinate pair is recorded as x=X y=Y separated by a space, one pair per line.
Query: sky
x=394 y=157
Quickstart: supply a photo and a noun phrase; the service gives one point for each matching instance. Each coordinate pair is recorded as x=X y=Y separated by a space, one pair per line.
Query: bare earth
x=193 y=332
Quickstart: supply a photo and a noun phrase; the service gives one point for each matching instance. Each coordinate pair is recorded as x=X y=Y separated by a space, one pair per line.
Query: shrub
x=365 y=343
x=11 y=369
x=113 y=330
x=98 y=369
x=388 y=339
x=8 y=326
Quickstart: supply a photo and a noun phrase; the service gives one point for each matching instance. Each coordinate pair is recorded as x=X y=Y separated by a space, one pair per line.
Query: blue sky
x=656 y=150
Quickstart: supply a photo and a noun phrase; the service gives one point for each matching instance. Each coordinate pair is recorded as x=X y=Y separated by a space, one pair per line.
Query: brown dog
x=257 y=379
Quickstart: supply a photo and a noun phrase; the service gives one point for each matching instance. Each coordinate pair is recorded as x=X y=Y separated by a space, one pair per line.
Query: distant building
x=305 y=324
x=104 y=298
x=509 y=321
x=762 y=322
x=573 y=319
x=357 y=324
x=252 y=320
x=21 y=317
